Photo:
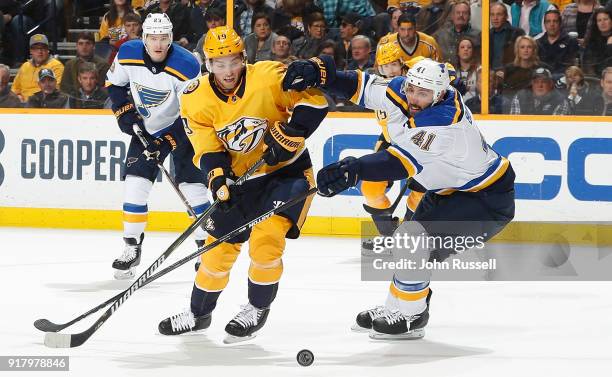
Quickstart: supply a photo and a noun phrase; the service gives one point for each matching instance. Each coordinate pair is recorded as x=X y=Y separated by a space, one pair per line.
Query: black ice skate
x=184 y=322
x=124 y=265
x=199 y=244
x=397 y=325
x=245 y=324
x=363 y=322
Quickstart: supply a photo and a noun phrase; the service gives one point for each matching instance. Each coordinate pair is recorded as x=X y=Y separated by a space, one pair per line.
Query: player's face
x=157 y=46
x=541 y=86
x=40 y=53
x=227 y=71
x=606 y=85
x=418 y=98
x=85 y=47
x=88 y=81
x=407 y=32
x=47 y=85
x=132 y=29
x=392 y=69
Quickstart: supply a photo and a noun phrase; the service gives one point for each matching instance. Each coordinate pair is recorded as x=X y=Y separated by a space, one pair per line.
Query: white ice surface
x=476 y=328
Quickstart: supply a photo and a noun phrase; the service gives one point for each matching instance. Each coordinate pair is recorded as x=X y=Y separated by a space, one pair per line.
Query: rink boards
x=63 y=169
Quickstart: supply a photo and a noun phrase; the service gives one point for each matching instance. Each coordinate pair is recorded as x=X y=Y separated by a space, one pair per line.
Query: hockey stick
x=48 y=326
x=145 y=143
x=57 y=340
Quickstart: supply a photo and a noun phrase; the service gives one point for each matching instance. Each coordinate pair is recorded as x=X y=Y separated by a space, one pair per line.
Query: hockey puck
x=305 y=358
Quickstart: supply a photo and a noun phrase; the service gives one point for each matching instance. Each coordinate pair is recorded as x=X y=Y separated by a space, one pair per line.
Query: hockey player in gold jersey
x=390 y=63
x=414 y=43
x=235 y=116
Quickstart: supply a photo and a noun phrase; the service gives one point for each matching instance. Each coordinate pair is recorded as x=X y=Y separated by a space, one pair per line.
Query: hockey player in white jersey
x=155 y=71
x=434 y=140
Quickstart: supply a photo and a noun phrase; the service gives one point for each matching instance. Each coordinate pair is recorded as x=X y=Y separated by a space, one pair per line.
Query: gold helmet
x=411 y=63
x=222 y=41
x=388 y=52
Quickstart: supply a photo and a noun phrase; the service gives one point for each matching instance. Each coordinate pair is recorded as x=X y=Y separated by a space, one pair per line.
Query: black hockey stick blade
x=59 y=340
x=46 y=325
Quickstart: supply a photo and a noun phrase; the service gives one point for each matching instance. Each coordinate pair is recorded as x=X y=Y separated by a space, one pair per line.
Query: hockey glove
x=221 y=186
x=281 y=142
x=158 y=148
x=314 y=72
x=337 y=177
x=127 y=116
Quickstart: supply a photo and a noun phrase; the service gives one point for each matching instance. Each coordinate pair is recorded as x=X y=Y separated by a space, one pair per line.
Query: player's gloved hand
x=281 y=142
x=222 y=188
x=314 y=72
x=127 y=116
x=158 y=147
x=337 y=177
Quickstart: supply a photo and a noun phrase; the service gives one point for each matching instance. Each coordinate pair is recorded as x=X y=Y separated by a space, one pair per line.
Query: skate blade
x=231 y=339
x=357 y=328
x=411 y=335
x=124 y=274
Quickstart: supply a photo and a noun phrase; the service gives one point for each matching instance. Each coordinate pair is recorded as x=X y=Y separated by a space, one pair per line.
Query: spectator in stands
x=8 y=10
x=306 y=47
x=362 y=58
x=394 y=21
x=336 y=10
x=258 y=44
x=598 y=43
x=576 y=16
x=413 y=43
x=348 y=29
x=467 y=64
x=90 y=95
x=7 y=98
x=518 y=74
x=48 y=96
x=213 y=18
x=197 y=17
x=581 y=95
x=432 y=17
x=542 y=98
x=330 y=48
x=111 y=28
x=448 y=36
x=26 y=83
x=290 y=18
x=84 y=53
x=603 y=104
x=502 y=36
x=244 y=10
x=179 y=15
x=498 y=104
x=529 y=15
x=281 y=50
x=556 y=48
x=133 y=27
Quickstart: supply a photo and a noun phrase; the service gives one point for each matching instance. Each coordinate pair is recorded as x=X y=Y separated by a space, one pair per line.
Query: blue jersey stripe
x=135 y=208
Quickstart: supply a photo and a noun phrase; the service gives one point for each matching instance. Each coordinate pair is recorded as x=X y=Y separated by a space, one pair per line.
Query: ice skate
x=245 y=324
x=184 y=322
x=397 y=325
x=363 y=322
x=125 y=265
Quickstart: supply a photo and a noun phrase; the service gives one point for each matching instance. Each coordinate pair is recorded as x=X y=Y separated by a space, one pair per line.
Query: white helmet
x=156 y=24
x=429 y=74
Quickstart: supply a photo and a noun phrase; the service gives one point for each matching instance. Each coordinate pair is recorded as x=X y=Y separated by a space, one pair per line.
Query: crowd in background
x=546 y=56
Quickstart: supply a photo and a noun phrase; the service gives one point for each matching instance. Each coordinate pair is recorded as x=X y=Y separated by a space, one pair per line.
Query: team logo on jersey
x=278 y=203
x=193 y=85
x=243 y=135
x=149 y=97
x=131 y=161
x=210 y=225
